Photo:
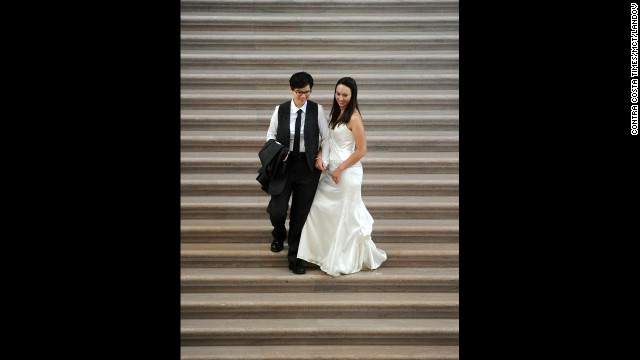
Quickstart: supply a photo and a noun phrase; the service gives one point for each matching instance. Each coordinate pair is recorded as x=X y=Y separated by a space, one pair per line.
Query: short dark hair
x=300 y=80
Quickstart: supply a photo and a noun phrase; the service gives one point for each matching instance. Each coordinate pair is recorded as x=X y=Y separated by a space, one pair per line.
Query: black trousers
x=300 y=186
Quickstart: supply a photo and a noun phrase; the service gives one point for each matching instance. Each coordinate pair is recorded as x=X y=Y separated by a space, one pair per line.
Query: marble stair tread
x=321 y=352
x=242 y=57
x=324 y=98
x=322 y=77
x=233 y=59
x=381 y=135
x=323 y=6
x=248 y=162
x=397 y=16
x=389 y=207
x=244 y=35
x=265 y=114
x=265 y=222
x=392 y=178
x=259 y=230
x=331 y=41
x=374 y=184
x=382 y=274
x=374 y=122
x=310 y=53
x=258 y=121
x=317 y=327
x=264 y=200
x=281 y=279
x=379 y=141
x=371 y=155
x=316 y=331
x=235 y=255
x=311 y=299
x=384 y=184
x=383 y=122
x=261 y=249
x=304 y=305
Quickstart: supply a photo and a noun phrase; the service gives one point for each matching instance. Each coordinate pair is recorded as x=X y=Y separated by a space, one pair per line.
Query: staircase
x=238 y=299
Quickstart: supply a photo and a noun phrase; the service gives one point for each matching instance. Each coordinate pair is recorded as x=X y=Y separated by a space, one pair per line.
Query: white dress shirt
x=323 y=127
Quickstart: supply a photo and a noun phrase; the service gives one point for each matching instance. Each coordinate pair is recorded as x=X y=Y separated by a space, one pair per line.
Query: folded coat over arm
x=272 y=173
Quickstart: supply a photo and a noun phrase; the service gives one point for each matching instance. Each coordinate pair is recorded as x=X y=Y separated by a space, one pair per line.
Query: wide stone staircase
x=238 y=299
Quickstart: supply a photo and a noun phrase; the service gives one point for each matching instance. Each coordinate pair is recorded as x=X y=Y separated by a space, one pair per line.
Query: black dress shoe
x=296 y=267
x=277 y=246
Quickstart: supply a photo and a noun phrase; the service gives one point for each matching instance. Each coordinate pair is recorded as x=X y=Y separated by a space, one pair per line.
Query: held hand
x=335 y=175
x=320 y=165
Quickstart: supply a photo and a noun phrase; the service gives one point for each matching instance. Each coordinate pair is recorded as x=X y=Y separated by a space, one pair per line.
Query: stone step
x=258 y=120
x=252 y=141
x=360 y=7
x=374 y=162
x=322 y=41
x=258 y=255
x=266 y=22
x=380 y=207
x=259 y=231
x=372 y=184
x=320 y=352
x=363 y=305
x=319 y=331
x=314 y=61
x=282 y=280
x=373 y=100
x=398 y=80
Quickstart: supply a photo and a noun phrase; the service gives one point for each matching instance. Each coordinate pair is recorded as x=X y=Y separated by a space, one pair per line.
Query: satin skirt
x=337 y=232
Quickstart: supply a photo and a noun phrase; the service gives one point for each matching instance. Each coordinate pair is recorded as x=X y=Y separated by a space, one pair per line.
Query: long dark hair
x=334 y=115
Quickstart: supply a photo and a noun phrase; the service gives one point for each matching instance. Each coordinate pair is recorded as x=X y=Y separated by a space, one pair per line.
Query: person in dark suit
x=301 y=125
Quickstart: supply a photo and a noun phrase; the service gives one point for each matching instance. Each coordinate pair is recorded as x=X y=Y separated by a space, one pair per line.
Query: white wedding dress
x=337 y=232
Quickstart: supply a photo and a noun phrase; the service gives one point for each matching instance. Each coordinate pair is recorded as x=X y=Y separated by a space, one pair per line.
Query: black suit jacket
x=272 y=174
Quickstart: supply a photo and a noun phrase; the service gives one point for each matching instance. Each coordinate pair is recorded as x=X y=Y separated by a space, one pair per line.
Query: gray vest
x=311 y=131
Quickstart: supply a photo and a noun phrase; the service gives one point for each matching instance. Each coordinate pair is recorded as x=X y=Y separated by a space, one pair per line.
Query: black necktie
x=296 y=138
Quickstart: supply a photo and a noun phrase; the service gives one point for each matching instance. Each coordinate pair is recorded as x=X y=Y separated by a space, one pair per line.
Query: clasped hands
x=335 y=175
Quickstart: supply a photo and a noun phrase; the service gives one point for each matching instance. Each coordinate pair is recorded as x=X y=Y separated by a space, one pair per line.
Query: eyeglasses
x=303 y=92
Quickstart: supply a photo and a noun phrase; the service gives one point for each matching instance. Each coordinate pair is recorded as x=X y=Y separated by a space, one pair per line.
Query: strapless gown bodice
x=342 y=145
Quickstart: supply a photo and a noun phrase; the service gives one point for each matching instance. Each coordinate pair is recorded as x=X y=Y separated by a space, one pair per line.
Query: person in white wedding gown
x=337 y=232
